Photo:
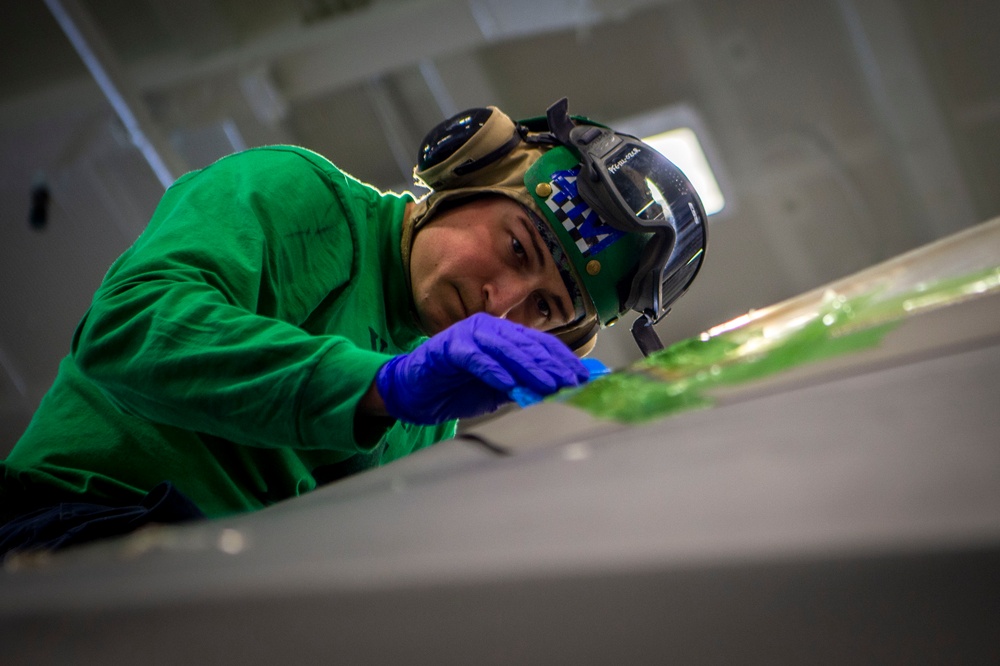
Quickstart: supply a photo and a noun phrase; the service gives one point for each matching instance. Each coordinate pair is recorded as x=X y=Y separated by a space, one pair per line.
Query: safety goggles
x=632 y=187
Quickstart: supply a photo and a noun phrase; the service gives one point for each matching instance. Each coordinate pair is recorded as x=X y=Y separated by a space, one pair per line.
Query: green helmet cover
x=605 y=268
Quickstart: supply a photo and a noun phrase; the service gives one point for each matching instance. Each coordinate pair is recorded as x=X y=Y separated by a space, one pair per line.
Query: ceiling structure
x=842 y=132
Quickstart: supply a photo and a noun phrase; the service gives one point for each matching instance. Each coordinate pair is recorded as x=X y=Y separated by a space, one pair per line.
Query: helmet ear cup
x=453 y=153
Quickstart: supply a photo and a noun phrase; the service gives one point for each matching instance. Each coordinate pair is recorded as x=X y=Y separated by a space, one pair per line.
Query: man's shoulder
x=283 y=156
x=289 y=167
x=287 y=156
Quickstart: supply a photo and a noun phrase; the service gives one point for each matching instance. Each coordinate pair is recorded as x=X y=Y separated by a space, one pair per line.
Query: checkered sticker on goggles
x=583 y=225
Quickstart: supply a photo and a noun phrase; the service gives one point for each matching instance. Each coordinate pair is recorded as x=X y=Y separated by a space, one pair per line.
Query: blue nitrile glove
x=469 y=368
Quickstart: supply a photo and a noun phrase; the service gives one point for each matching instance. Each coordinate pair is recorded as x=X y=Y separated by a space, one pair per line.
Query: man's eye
x=543 y=308
x=518 y=248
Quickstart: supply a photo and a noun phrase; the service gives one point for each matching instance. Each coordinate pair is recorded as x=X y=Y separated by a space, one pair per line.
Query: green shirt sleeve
x=204 y=323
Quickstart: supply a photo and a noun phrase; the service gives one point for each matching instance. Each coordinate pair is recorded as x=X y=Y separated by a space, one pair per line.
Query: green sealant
x=680 y=377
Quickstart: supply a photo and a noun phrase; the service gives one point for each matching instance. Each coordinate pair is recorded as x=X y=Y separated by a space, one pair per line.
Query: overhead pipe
x=99 y=58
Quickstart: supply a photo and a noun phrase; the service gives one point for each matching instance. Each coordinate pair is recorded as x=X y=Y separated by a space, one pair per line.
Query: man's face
x=486 y=256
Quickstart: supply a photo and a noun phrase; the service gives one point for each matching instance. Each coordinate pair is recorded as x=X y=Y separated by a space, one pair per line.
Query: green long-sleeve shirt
x=227 y=349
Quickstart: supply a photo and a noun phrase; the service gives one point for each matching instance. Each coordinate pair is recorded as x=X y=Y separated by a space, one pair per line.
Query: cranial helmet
x=624 y=224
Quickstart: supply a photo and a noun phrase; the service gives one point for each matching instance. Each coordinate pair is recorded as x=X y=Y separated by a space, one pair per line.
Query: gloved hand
x=469 y=368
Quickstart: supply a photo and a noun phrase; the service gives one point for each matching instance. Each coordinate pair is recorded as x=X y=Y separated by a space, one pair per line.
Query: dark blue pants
x=72 y=523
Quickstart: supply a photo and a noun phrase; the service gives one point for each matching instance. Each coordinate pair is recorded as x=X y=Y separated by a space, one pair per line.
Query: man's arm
x=195 y=326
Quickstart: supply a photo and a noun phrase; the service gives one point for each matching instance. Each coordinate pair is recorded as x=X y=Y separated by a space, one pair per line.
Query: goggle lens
x=655 y=193
x=633 y=171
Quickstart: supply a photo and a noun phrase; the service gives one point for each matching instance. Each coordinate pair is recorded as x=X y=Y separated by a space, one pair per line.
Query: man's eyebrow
x=542 y=256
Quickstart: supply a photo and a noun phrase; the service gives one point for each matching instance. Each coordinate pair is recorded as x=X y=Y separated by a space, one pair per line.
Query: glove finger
x=517 y=356
x=560 y=358
x=468 y=357
x=532 y=365
x=540 y=366
x=505 y=354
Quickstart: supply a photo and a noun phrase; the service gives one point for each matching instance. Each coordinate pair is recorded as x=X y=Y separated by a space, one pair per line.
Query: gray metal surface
x=856 y=520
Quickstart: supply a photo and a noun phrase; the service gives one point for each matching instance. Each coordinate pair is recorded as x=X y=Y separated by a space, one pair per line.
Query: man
x=267 y=331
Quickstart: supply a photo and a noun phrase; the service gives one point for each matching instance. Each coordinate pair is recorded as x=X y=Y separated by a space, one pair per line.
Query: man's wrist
x=371 y=420
x=371 y=403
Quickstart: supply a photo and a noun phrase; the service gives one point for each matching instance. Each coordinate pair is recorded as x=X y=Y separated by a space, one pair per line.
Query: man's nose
x=504 y=296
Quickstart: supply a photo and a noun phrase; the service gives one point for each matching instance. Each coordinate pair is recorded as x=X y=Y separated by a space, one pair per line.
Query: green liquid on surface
x=680 y=377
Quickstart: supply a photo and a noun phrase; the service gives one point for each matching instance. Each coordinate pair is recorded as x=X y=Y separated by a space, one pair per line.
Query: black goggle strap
x=644 y=334
x=649 y=279
x=677 y=279
x=560 y=124
x=489 y=158
x=646 y=293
